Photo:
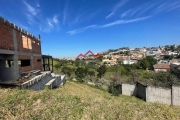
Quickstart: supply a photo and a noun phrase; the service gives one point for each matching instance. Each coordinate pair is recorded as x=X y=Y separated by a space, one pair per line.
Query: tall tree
x=67 y=70
x=101 y=71
x=147 y=62
x=80 y=73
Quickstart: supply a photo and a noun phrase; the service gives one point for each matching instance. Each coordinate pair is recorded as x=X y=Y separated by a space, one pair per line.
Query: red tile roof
x=161 y=66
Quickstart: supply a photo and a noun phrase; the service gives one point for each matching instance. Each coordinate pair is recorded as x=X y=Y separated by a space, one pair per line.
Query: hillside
x=78 y=101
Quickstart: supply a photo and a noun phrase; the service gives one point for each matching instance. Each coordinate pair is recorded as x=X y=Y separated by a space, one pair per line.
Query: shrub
x=113 y=90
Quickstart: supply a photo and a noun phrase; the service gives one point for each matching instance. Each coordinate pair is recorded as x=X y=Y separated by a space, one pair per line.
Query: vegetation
x=101 y=71
x=103 y=75
x=168 y=57
x=146 y=63
x=81 y=73
x=76 y=101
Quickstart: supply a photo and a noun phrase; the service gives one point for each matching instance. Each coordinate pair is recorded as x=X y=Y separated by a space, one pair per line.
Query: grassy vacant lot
x=77 y=101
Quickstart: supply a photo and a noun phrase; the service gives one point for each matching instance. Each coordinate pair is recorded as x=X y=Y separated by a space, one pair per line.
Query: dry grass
x=77 y=101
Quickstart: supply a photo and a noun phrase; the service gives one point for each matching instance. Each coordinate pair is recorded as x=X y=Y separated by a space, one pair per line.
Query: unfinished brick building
x=21 y=62
x=20 y=51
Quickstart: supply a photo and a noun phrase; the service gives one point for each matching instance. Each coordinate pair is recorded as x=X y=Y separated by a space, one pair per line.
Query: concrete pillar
x=15 y=58
x=32 y=62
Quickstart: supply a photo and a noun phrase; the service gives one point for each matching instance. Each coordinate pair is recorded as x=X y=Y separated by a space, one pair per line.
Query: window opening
x=9 y=63
x=38 y=60
x=26 y=42
x=24 y=63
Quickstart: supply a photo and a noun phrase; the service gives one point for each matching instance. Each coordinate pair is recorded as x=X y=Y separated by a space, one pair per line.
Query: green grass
x=76 y=101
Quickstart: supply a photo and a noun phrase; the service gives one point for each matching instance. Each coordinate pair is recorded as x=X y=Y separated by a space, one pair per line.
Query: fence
x=160 y=95
x=175 y=95
x=141 y=91
x=151 y=93
x=128 y=89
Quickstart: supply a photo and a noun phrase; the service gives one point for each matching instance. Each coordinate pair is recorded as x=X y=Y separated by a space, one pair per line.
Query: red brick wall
x=37 y=64
x=6 y=42
x=35 y=47
x=6 y=37
x=26 y=68
x=20 y=43
x=24 y=57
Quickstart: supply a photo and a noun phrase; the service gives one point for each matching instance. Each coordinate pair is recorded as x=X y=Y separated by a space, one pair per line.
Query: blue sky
x=70 y=27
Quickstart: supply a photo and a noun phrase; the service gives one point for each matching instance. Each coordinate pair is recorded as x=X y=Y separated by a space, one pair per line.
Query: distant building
x=161 y=67
x=129 y=62
x=110 y=61
x=175 y=62
x=172 y=53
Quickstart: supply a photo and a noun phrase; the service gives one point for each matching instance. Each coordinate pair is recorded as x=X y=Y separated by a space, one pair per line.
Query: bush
x=113 y=90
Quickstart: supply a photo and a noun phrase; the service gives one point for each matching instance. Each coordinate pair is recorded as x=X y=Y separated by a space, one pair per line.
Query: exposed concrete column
x=32 y=62
x=42 y=61
x=32 y=59
x=15 y=58
x=43 y=64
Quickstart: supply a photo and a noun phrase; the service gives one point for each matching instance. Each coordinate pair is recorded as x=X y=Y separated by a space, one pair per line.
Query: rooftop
x=161 y=66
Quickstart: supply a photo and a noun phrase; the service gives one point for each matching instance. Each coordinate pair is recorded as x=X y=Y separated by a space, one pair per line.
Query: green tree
x=134 y=75
x=127 y=52
x=172 y=48
x=67 y=70
x=80 y=73
x=146 y=62
x=175 y=71
x=91 y=73
x=178 y=56
x=57 y=67
x=168 y=57
x=101 y=71
x=115 y=82
x=165 y=79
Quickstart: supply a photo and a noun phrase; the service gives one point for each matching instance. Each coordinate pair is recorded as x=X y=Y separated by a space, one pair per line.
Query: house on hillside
x=161 y=67
x=175 y=62
x=110 y=62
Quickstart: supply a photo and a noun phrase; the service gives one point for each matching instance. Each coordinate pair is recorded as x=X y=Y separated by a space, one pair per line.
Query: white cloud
x=65 y=13
x=81 y=30
x=111 y=14
x=55 y=20
x=124 y=22
x=38 y=5
x=31 y=13
x=116 y=7
x=31 y=9
x=50 y=24
x=119 y=4
x=167 y=7
x=173 y=6
x=146 y=8
x=125 y=13
x=149 y=8
x=107 y=25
